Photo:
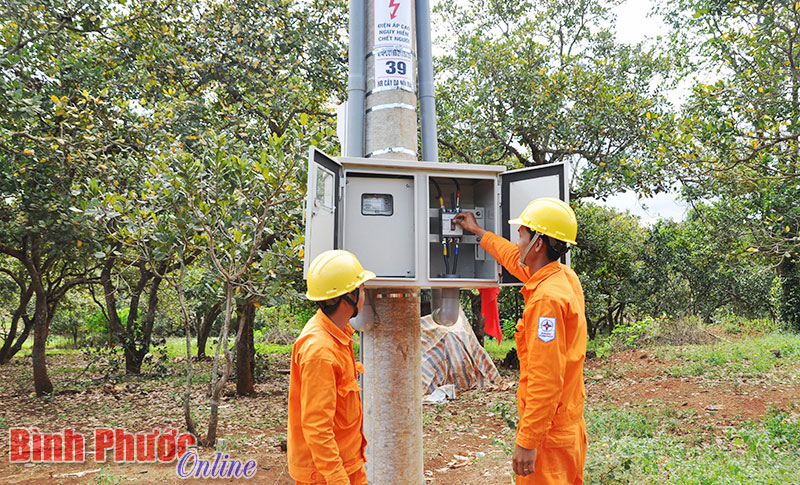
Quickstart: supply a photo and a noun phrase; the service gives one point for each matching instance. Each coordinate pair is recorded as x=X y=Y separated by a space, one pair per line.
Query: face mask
x=353 y=303
x=524 y=254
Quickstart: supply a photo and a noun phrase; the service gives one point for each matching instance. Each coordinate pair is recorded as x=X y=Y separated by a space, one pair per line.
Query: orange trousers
x=358 y=477
x=559 y=466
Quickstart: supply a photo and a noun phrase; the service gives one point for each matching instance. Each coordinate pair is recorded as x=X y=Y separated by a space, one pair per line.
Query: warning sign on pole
x=393 y=23
x=393 y=48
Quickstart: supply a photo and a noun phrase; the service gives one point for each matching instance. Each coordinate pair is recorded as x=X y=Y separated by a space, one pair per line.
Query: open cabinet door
x=518 y=188
x=322 y=206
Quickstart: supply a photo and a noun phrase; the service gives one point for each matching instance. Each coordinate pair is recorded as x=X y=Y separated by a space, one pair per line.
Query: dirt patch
x=466 y=441
x=463 y=439
x=635 y=379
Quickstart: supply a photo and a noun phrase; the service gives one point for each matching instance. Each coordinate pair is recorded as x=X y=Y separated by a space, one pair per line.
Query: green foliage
x=508 y=412
x=535 y=83
x=626 y=447
x=627 y=336
x=789 y=306
x=281 y=324
x=616 y=423
x=734 y=323
x=270 y=348
x=509 y=306
x=106 y=361
x=783 y=429
x=697 y=266
x=687 y=268
x=607 y=260
x=158 y=361
x=107 y=476
x=97 y=323
x=736 y=139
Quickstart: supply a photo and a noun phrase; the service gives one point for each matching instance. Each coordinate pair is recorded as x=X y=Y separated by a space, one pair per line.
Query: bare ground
x=466 y=441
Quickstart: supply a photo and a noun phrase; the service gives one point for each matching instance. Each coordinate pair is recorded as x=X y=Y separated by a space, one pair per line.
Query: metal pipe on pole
x=427 y=92
x=356 y=82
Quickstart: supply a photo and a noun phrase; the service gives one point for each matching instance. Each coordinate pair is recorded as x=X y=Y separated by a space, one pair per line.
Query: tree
x=59 y=127
x=239 y=68
x=736 y=140
x=696 y=266
x=12 y=341
x=208 y=296
x=228 y=204
x=607 y=260
x=534 y=83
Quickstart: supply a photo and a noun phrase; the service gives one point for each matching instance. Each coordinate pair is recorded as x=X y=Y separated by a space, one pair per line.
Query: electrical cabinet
x=396 y=216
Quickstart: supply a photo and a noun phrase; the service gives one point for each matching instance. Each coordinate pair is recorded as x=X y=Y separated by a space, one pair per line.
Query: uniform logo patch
x=547 y=329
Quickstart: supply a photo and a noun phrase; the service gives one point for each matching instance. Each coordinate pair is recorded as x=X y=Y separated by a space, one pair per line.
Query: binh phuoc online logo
x=29 y=445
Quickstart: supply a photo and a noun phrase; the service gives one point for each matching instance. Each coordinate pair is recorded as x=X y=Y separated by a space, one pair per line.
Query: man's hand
x=467 y=221
x=523 y=460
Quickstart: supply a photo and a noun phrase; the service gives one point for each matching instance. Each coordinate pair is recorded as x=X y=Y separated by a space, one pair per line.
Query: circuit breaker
x=454 y=254
x=396 y=216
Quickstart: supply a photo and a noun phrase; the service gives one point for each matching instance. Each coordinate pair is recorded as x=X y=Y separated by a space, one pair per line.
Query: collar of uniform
x=345 y=337
x=544 y=272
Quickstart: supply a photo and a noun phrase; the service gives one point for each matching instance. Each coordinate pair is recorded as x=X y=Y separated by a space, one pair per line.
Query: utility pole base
x=392 y=351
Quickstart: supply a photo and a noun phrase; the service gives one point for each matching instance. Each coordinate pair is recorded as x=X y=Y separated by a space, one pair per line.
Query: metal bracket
x=379 y=107
x=390 y=88
x=377 y=50
x=380 y=296
x=391 y=150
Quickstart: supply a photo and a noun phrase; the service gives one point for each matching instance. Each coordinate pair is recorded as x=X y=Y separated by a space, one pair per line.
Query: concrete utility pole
x=391 y=343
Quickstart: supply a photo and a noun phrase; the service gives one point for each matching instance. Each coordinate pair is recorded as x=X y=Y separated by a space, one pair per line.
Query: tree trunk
x=11 y=347
x=203 y=327
x=41 y=382
x=620 y=313
x=134 y=351
x=32 y=262
x=218 y=384
x=187 y=393
x=134 y=358
x=245 y=351
x=477 y=317
x=26 y=331
x=609 y=315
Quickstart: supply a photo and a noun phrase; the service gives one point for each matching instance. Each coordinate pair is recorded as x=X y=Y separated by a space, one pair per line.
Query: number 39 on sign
x=396 y=67
x=393 y=67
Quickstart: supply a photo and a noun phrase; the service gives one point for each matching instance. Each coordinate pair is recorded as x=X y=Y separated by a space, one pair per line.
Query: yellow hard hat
x=551 y=217
x=335 y=273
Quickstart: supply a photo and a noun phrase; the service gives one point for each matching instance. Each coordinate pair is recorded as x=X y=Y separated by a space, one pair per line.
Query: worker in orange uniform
x=551 y=342
x=325 y=442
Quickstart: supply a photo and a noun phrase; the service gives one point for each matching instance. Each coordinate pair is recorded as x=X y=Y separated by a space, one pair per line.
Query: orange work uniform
x=325 y=442
x=551 y=346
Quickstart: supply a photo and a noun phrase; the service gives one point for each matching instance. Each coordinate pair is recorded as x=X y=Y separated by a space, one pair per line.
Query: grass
x=56 y=345
x=267 y=348
x=659 y=443
x=628 y=448
x=176 y=347
x=745 y=358
x=498 y=350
